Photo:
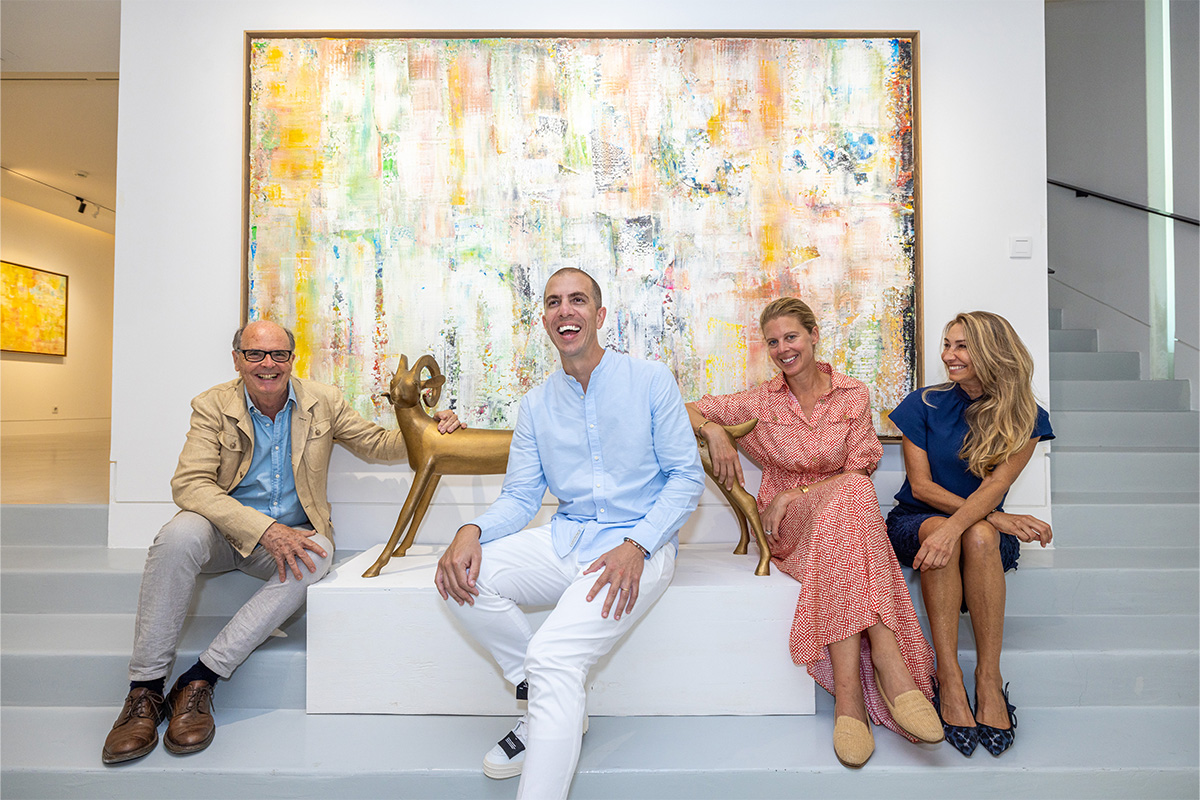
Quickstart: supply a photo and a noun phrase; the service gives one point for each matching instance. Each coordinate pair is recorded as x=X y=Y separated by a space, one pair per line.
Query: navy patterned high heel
x=961 y=738
x=997 y=740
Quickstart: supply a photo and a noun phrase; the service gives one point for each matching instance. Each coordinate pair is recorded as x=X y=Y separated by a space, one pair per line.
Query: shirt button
x=595 y=458
x=602 y=511
x=591 y=426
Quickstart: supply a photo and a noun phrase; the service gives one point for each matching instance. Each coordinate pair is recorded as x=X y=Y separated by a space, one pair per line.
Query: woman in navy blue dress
x=965 y=442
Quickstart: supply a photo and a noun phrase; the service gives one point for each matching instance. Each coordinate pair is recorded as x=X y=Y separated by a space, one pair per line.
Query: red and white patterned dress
x=832 y=539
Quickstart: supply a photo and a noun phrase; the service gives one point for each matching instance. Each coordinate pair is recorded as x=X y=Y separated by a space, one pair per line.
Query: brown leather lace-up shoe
x=135 y=733
x=192 y=726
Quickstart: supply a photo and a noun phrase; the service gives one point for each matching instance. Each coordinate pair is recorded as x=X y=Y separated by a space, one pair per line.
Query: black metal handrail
x=1081 y=192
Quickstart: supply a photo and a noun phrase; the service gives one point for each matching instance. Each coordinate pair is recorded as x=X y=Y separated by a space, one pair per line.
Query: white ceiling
x=58 y=106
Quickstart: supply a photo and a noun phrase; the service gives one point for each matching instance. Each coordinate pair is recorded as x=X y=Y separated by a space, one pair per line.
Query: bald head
x=263 y=326
x=596 y=298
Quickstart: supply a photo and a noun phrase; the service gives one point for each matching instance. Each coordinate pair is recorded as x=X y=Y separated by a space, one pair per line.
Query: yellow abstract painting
x=412 y=195
x=35 y=311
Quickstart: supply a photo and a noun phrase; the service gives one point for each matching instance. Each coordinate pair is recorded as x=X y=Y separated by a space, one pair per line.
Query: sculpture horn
x=432 y=386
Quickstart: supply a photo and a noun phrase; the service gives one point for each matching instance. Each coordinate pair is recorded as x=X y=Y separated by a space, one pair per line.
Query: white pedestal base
x=715 y=643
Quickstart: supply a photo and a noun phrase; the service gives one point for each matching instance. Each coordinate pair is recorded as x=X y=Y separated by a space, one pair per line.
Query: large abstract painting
x=412 y=195
x=34 y=317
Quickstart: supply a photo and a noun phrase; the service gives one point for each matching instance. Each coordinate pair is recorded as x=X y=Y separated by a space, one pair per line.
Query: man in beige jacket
x=251 y=486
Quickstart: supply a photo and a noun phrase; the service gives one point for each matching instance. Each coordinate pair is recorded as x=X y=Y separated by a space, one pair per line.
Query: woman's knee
x=929 y=525
x=981 y=540
x=858 y=486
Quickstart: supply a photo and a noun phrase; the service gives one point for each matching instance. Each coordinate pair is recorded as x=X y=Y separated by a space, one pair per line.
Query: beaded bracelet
x=645 y=552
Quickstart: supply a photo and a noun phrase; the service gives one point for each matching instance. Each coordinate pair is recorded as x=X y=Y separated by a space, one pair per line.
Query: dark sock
x=155 y=685
x=197 y=672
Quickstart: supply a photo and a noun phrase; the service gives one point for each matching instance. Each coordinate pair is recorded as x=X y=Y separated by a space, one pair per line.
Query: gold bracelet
x=701 y=426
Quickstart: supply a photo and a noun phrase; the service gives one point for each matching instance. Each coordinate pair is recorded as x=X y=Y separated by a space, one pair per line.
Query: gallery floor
x=54 y=467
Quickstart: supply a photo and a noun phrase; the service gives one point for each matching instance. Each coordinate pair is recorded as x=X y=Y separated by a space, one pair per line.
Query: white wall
x=80 y=384
x=180 y=154
x=1096 y=138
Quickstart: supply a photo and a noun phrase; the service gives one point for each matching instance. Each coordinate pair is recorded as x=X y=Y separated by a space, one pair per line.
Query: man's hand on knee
x=458 y=568
x=623 y=567
x=289 y=546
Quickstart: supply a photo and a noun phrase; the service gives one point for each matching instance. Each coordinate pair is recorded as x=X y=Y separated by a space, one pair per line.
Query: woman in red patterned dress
x=817 y=447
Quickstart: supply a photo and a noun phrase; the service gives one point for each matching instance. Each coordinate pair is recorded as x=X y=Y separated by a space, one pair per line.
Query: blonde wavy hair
x=1000 y=422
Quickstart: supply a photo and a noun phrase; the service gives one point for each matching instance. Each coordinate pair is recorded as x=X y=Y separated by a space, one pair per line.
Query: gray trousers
x=187 y=546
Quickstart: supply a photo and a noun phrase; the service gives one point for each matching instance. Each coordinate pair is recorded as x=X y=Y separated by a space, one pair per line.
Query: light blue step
x=1073 y=341
x=1094 y=366
x=1144 y=429
x=1082 y=752
x=36 y=582
x=1119 y=396
x=1111 y=660
x=83 y=660
x=1126 y=524
x=1087 y=469
x=47 y=525
x=48 y=580
x=98 y=580
x=1034 y=590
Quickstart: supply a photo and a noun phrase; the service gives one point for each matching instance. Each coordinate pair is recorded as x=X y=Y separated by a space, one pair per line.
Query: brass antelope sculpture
x=431 y=454
x=485 y=452
x=742 y=502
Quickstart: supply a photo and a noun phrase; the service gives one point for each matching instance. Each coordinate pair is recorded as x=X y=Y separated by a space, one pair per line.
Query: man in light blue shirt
x=609 y=436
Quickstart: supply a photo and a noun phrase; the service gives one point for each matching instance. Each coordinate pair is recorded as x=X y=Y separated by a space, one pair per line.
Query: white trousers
x=523 y=569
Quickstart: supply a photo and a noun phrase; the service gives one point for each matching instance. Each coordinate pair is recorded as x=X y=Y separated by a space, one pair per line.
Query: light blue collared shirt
x=270 y=484
x=621 y=459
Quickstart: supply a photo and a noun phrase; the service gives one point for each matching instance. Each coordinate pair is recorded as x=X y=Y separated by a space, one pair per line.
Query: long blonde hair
x=1000 y=422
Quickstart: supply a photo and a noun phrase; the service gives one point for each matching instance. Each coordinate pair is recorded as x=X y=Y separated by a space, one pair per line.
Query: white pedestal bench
x=715 y=643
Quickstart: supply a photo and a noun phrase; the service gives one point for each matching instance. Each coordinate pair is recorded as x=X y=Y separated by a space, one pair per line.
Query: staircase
x=1102 y=648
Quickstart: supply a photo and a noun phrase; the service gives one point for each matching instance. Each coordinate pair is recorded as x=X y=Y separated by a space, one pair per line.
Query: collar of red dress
x=839 y=381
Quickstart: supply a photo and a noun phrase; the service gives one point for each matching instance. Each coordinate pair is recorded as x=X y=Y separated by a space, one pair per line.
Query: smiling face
x=266 y=380
x=791 y=347
x=956 y=355
x=571 y=317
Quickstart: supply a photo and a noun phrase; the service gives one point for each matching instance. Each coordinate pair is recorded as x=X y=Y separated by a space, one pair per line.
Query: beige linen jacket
x=220 y=445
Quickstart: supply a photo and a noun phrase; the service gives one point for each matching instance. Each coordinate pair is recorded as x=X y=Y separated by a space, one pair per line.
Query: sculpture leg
x=420 y=481
x=744 y=539
x=764 y=552
x=422 y=507
x=746 y=511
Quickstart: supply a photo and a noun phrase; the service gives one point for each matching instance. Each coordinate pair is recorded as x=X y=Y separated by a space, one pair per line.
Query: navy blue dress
x=939 y=429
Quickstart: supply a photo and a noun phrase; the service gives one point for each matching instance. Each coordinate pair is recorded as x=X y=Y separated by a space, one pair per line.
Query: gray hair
x=237 y=335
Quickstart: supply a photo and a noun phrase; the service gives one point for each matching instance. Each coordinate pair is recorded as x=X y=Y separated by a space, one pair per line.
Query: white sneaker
x=507 y=758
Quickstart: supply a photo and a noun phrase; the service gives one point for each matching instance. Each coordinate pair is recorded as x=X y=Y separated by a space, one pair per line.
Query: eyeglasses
x=278 y=356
